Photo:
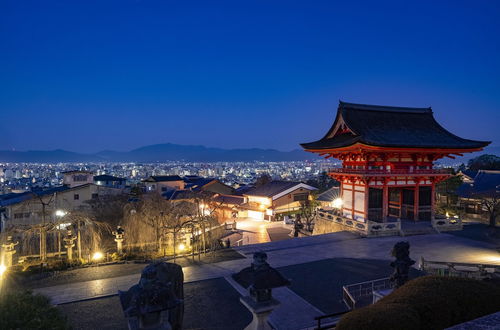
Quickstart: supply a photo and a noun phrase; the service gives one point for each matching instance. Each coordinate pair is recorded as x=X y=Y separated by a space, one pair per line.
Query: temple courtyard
x=317 y=266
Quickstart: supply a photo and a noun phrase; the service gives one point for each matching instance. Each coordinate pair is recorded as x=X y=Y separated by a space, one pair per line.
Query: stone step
x=417 y=231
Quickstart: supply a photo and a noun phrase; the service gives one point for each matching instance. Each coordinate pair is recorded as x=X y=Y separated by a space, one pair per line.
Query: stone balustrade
x=327 y=223
x=447 y=224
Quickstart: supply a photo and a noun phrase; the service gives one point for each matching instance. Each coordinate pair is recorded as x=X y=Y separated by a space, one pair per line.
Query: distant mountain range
x=157 y=153
x=176 y=152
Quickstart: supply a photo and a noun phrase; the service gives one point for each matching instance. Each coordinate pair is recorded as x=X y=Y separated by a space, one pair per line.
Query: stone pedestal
x=151 y=321
x=260 y=312
x=69 y=243
x=119 y=245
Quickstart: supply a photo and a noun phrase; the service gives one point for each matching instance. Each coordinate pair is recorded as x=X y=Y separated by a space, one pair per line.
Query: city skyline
x=233 y=75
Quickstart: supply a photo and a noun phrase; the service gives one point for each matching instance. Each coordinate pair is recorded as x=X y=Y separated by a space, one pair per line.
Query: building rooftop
x=485 y=183
x=105 y=177
x=273 y=188
x=163 y=178
x=384 y=126
x=329 y=195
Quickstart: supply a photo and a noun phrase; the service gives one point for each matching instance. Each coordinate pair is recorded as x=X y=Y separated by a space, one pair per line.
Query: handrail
x=443 y=268
x=326 y=316
x=424 y=262
x=362 y=289
x=388 y=171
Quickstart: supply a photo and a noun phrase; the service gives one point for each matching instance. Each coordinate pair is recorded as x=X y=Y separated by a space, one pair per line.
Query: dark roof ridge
x=373 y=107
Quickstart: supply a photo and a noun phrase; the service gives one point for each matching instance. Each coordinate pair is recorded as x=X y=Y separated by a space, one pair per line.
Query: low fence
x=368 y=228
x=353 y=293
x=447 y=224
x=460 y=269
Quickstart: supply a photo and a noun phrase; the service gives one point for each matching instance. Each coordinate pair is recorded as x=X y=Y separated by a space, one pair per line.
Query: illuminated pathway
x=297 y=251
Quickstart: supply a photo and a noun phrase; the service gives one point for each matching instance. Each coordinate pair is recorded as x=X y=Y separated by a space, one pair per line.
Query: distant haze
x=175 y=152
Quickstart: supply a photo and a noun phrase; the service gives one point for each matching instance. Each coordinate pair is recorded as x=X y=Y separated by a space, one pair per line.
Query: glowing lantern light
x=97 y=256
x=181 y=247
x=3 y=269
x=337 y=203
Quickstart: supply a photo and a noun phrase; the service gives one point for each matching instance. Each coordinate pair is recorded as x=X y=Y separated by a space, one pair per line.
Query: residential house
x=485 y=184
x=162 y=183
x=273 y=198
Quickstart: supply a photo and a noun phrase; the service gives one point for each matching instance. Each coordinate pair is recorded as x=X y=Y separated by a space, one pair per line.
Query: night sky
x=92 y=75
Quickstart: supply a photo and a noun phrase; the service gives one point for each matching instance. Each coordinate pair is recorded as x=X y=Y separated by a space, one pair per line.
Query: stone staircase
x=410 y=229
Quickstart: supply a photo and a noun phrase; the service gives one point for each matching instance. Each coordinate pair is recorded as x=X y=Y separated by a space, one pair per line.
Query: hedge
x=429 y=302
x=23 y=310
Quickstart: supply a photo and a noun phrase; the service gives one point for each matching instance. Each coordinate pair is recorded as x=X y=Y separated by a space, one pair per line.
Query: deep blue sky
x=92 y=75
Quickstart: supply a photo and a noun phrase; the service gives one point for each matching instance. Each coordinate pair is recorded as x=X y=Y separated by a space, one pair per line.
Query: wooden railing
x=460 y=269
x=364 y=171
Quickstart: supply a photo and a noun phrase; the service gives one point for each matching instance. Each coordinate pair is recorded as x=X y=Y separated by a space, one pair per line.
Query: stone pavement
x=296 y=310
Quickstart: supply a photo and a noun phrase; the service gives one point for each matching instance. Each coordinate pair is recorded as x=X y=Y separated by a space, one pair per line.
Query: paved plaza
x=318 y=267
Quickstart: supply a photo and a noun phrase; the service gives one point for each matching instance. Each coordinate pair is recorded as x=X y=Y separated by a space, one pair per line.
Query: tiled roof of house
x=485 y=183
x=329 y=195
x=272 y=188
x=163 y=178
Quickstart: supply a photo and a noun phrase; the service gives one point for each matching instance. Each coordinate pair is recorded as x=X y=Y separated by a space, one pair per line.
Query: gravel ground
x=320 y=282
x=116 y=270
x=210 y=304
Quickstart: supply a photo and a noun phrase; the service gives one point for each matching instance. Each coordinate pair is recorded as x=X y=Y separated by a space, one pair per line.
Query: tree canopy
x=484 y=162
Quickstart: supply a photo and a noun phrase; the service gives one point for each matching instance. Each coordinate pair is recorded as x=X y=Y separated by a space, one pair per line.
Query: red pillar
x=385 y=201
x=415 y=201
x=352 y=206
x=433 y=197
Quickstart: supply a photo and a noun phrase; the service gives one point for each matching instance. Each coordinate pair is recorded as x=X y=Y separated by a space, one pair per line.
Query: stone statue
x=402 y=264
x=260 y=278
x=156 y=302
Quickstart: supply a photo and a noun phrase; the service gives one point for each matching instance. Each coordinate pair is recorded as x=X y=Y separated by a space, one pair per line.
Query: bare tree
x=108 y=208
x=490 y=201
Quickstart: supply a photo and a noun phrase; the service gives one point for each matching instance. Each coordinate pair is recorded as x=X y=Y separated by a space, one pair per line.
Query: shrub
x=23 y=310
x=429 y=302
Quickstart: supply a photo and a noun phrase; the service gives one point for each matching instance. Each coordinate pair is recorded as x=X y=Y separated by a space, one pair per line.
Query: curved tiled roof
x=389 y=127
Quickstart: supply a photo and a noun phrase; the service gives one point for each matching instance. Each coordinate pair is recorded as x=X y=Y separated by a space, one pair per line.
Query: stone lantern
x=260 y=279
x=8 y=250
x=156 y=302
x=119 y=232
x=69 y=243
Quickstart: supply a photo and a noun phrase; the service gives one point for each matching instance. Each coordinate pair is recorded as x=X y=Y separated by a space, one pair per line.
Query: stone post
x=119 y=239
x=69 y=243
x=8 y=250
x=260 y=279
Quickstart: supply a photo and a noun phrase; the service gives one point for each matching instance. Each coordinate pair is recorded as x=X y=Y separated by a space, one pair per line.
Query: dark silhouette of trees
x=484 y=162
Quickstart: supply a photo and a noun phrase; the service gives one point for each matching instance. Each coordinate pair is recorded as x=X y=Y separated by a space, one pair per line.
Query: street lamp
x=3 y=269
x=61 y=213
x=97 y=256
x=337 y=203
